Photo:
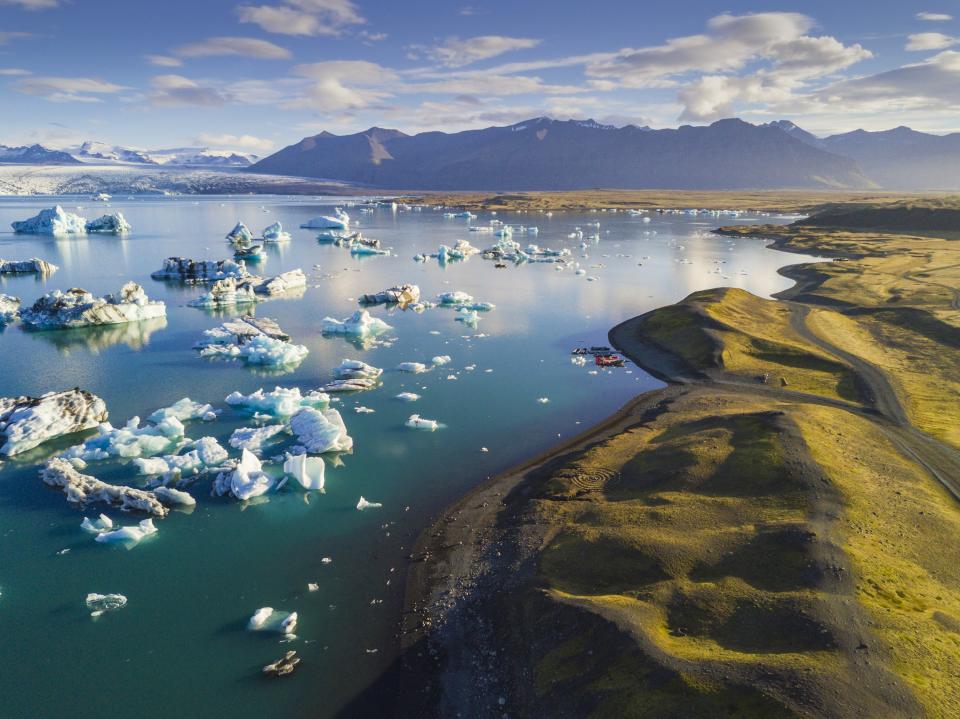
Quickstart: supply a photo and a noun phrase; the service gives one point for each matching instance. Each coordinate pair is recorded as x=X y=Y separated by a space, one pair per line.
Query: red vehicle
x=610 y=360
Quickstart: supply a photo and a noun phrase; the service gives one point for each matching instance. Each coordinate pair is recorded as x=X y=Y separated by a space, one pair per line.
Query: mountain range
x=547 y=154
x=99 y=153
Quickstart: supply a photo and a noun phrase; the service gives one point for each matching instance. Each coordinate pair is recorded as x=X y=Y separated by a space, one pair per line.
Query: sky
x=257 y=75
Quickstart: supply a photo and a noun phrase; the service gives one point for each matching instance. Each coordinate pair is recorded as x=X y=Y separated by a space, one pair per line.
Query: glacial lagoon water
x=180 y=646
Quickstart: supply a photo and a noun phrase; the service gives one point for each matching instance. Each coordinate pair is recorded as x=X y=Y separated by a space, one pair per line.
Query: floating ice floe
x=543 y=400
x=355 y=369
x=115 y=224
x=358 y=384
x=282 y=666
x=26 y=422
x=202 y=455
x=281 y=402
x=184 y=410
x=359 y=247
x=268 y=619
x=275 y=233
x=250 y=253
x=284 y=282
x=253 y=340
x=468 y=316
x=408 y=397
x=461 y=300
x=9 y=309
x=79 y=308
x=360 y=324
x=240 y=234
x=461 y=251
x=321 y=431
x=308 y=471
x=413 y=367
x=246 y=481
x=100 y=603
x=364 y=504
x=174 y=497
x=399 y=294
x=53 y=221
x=340 y=221
x=417 y=422
x=84 y=489
x=181 y=268
x=253 y=438
x=103 y=523
x=24 y=267
x=128 y=535
x=131 y=440
x=228 y=292
x=441 y=360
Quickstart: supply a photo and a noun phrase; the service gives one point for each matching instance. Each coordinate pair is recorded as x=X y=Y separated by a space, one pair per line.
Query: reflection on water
x=136 y=335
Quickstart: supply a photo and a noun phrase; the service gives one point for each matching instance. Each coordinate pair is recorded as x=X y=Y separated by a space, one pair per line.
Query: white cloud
x=163 y=60
x=343 y=84
x=934 y=16
x=303 y=17
x=13 y=72
x=67 y=89
x=247 y=143
x=32 y=4
x=457 y=53
x=244 y=46
x=930 y=41
x=177 y=90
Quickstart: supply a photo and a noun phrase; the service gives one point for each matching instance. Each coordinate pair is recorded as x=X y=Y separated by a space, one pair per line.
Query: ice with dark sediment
x=417 y=422
x=23 y=267
x=100 y=603
x=83 y=489
x=115 y=224
x=182 y=268
x=9 y=309
x=53 y=221
x=79 y=308
x=399 y=294
x=27 y=422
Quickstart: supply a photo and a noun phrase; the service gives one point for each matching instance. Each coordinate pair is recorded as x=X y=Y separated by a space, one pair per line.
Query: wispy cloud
x=934 y=16
x=455 y=52
x=248 y=143
x=13 y=72
x=930 y=41
x=32 y=4
x=242 y=46
x=67 y=89
x=303 y=17
x=178 y=91
x=163 y=60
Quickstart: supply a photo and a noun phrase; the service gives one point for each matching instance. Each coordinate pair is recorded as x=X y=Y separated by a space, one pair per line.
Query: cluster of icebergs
x=241 y=234
x=462 y=250
x=510 y=250
x=58 y=222
x=230 y=291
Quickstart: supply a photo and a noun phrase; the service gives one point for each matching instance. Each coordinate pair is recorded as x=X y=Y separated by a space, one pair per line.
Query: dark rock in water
x=283 y=666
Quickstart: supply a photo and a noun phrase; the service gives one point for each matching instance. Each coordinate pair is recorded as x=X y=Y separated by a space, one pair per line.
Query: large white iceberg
x=321 y=431
x=79 y=308
x=26 y=422
x=340 y=221
x=281 y=402
x=275 y=233
x=461 y=251
x=83 y=489
x=22 y=267
x=128 y=535
x=115 y=224
x=246 y=481
x=360 y=324
x=9 y=309
x=182 y=268
x=53 y=221
x=308 y=471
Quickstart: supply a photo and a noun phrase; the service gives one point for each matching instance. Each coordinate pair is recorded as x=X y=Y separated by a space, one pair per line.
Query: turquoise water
x=180 y=647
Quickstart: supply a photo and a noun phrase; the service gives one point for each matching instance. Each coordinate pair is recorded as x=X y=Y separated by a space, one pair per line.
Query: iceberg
x=360 y=247
x=281 y=402
x=360 y=324
x=283 y=666
x=95 y=526
x=115 y=224
x=408 y=397
x=417 y=422
x=83 y=489
x=204 y=454
x=27 y=422
x=250 y=253
x=53 y=221
x=248 y=480
x=260 y=350
x=275 y=233
x=79 y=308
x=413 y=367
x=461 y=251
x=321 y=431
x=227 y=292
x=441 y=360
x=308 y=471
x=454 y=298
x=253 y=438
x=240 y=234
x=184 y=410
x=9 y=309
x=23 y=267
x=128 y=535
x=467 y=316
x=131 y=440
x=358 y=384
x=181 y=268
x=100 y=603
x=364 y=504
x=340 y=221
x=285 y=281
x=268 y=619
x=355 y=369
x=174 y=497
x=399 y=294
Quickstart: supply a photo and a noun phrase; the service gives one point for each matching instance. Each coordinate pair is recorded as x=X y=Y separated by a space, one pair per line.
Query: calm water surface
x=179 y=648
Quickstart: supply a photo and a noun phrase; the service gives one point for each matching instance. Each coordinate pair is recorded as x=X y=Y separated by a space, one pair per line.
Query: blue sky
x=256 y=75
